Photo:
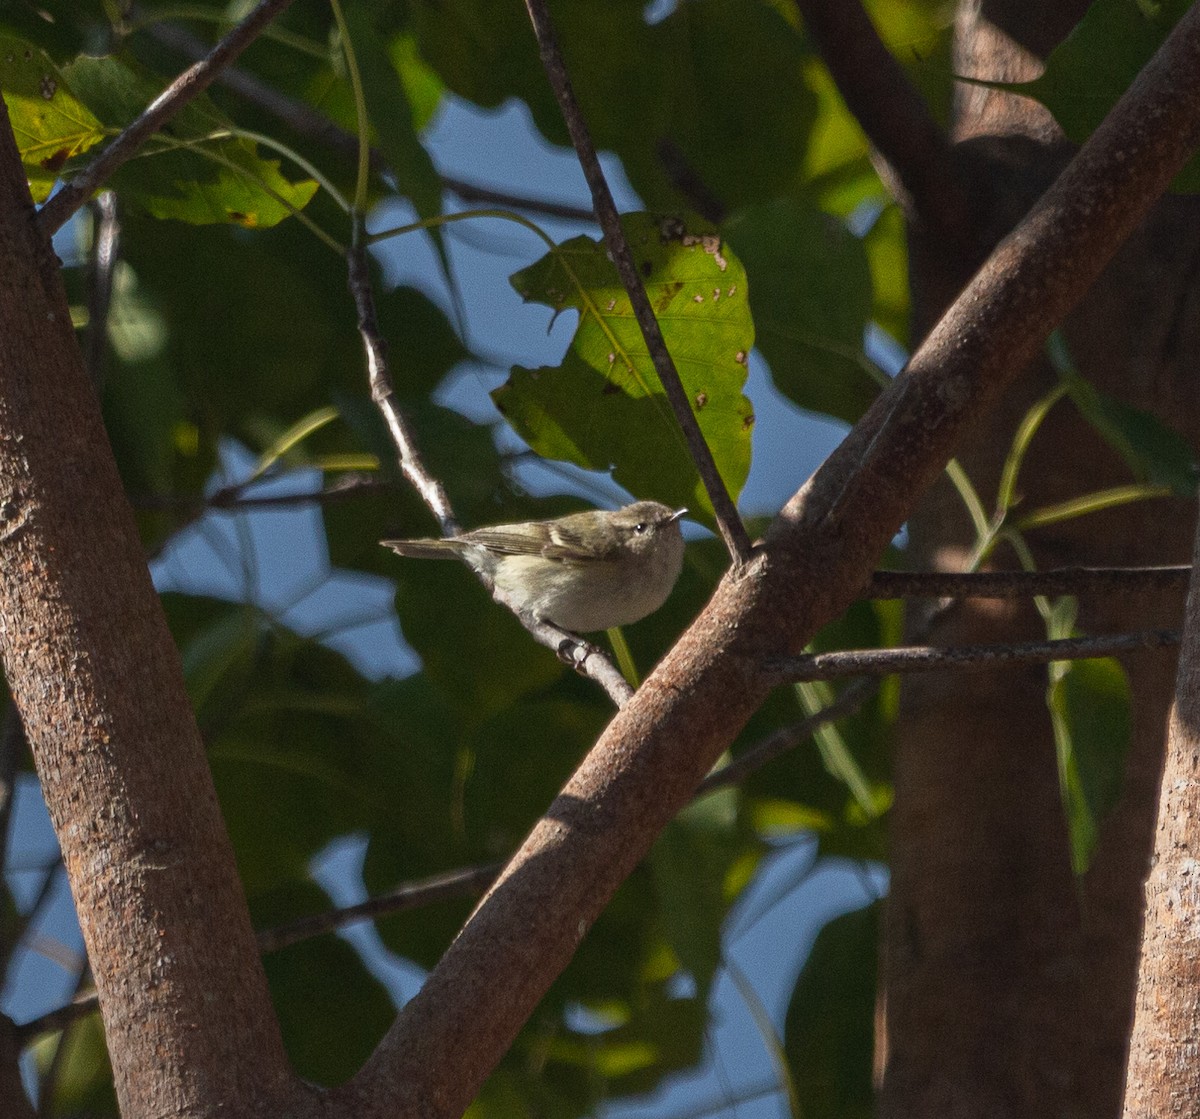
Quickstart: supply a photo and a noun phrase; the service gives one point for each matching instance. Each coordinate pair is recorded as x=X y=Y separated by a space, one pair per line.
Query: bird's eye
x=640 y=527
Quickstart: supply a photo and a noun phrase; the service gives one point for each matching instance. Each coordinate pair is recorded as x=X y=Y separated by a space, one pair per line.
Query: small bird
x=583 y=572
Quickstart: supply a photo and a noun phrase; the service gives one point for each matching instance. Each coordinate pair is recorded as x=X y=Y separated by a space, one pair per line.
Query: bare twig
x=101 y=263
x=928 y=658
x=891 y=112
x=779 y=742
x=1023 y=584
x=383 y=394
x=306 y=121
x=468 y=882
x=346 y=488
x=59 y=1018
x=189 y=85
x=588 y=659
x=737 y=540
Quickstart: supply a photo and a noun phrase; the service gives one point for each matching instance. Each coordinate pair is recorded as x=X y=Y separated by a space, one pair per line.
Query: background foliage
x=232 y=327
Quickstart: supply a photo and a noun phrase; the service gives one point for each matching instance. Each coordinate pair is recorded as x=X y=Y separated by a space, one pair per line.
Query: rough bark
x=1164 y=1076
x=1010 y=986
x=96 y=677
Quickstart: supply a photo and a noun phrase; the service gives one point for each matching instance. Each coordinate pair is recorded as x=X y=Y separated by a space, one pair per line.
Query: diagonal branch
x=185 y=88
x=732 y=530
x=892 y=113
x=816 y=559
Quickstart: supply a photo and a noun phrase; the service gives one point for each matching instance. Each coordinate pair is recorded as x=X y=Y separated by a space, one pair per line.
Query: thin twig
x=469 y=882
x=737 y=540
x=347 y=487
x=1023 y=584
x=779 y=742
x=306 y=121
x=965 y=658
x=383 y=394
x=892 y=113
x=102 y=261
x=189 y=85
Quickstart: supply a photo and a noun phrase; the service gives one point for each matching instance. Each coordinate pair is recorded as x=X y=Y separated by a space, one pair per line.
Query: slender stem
x=1021 y=584
x=102 y=261
x=469 y=882
x=360 y=109
x=926 y=658
x=737 y=540
x=923 y=173
x=185 y=88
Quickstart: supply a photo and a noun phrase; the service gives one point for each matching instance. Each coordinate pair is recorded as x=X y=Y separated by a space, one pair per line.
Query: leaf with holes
x=50 y=124
x=604 y=408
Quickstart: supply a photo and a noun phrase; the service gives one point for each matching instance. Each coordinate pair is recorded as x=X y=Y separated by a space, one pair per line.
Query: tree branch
x=932 y=658
x=306 y=121
x=97 y=679
x=816 y=559
x=892 y=113
x=1023 y=584
x=102 y=262
x=732 y=530
x=1162 y=1078
x=185 y=88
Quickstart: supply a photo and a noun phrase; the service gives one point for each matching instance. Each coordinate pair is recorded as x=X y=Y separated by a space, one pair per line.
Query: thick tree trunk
x=97 y=679
x=1164 y=1078
x=1009 y=986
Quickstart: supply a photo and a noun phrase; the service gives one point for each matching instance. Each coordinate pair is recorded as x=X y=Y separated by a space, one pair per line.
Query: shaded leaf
x=391 y=115
x=1091 y=711
x=810 y=293
x=194 y=170
x=1088 y=72
x=692 y=861
x=829 y=1036
x=321 y=989
x=1154 y=453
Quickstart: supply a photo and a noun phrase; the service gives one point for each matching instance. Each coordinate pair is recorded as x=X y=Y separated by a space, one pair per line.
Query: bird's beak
x=676 y=515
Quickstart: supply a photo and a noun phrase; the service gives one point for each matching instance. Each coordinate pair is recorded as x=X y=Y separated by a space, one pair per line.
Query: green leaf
x=829 y=1036
x=472 y=648
x=1090 y=709
x=321 y=989
x=742 y=146
x=1089 y=71
x=1155 y=454
x=50 y=124
x=391 y=115
x=692 y=862
x=195 y=170
x=810 y=293
x=604 y=406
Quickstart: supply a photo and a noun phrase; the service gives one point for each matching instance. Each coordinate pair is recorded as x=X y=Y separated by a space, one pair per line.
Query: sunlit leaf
x=604 y=406
x=50 y=124
x=195 y=170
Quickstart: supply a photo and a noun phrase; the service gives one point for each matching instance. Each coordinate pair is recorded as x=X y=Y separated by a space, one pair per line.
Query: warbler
x=582 y=572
